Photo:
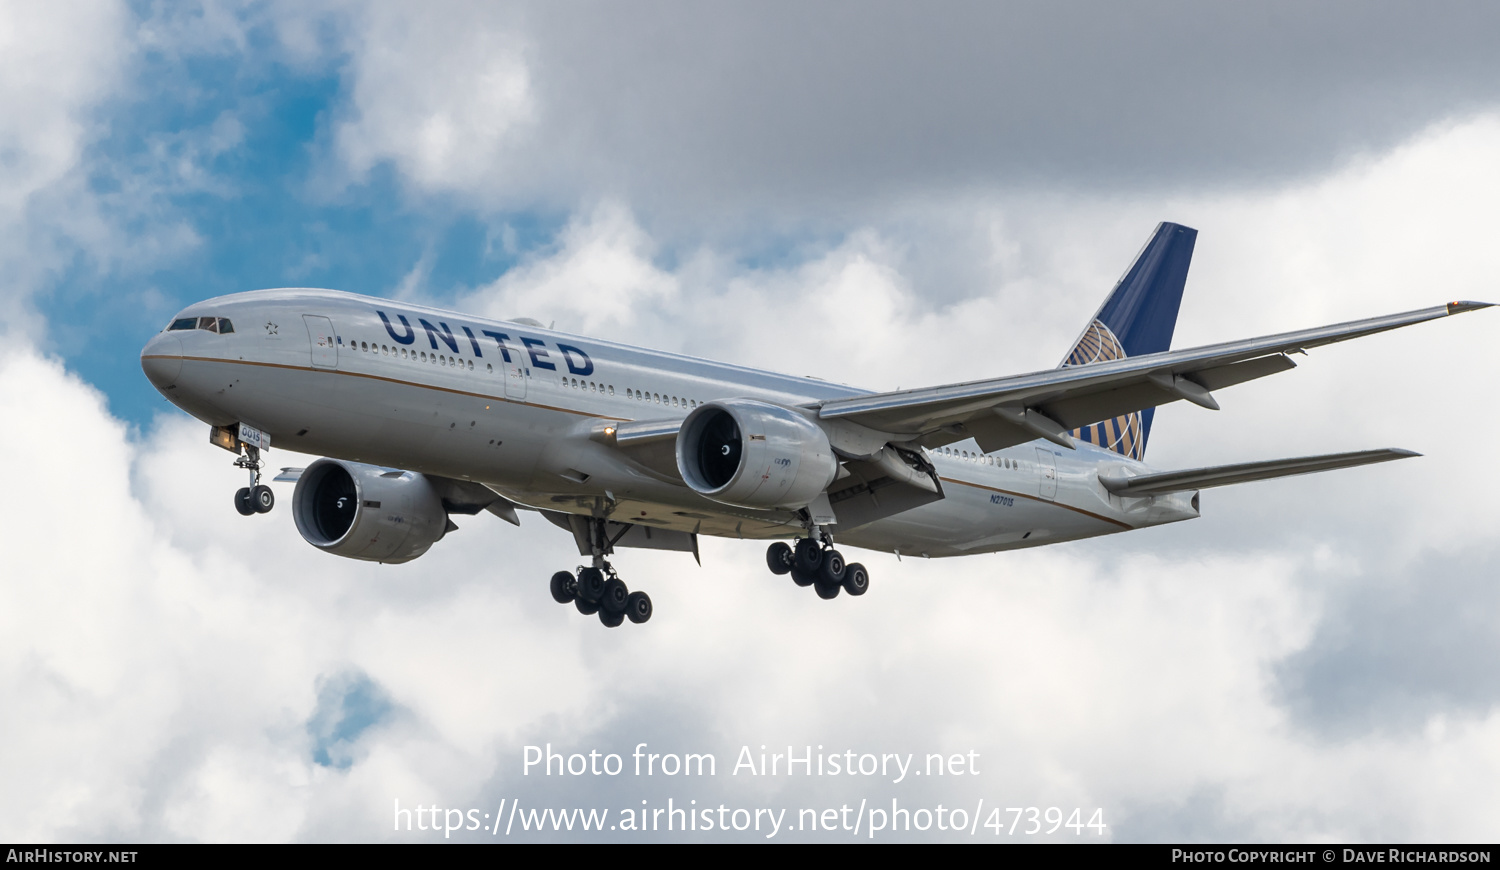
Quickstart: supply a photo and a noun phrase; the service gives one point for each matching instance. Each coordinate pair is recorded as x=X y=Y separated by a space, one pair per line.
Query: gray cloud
x=793 y=108
x=1396 y=651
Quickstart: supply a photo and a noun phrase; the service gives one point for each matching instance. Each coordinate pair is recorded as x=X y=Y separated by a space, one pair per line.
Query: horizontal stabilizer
x=1223 y=475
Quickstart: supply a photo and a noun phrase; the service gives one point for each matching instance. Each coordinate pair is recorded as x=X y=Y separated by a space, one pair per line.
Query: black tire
x=563 y=586
x=263 y=499
x=587 y=608
x=833 y=570
x=856 y=579
x=827 y=591
x=809 y=556
x=611 y=620
x=800 y=578
x=779 y=558
x=615 y=595
x=590 y=585
x=242 y=502
x=638 y=607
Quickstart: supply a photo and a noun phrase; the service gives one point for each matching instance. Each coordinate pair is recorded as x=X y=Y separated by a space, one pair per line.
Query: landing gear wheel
x=587 y=608
x=779 y=557
x=856 y=579
x=809 y=556
x=638 y=607
x=242 y=502
x=262 y=498
x=827 y=591
x=614 y=596
x=832 y=571
x=801 y=578
x=563 y=587
x=590 y=585
x=611 y=620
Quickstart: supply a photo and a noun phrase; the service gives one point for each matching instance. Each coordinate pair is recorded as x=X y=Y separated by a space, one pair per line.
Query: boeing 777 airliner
x=423 y=414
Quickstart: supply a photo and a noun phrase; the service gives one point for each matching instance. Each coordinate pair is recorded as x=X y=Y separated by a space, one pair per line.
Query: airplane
x=422 y=414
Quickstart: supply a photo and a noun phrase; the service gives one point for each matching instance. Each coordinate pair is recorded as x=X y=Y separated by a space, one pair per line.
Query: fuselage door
x=325 y=351
x=515 y=375
x=1046 y=466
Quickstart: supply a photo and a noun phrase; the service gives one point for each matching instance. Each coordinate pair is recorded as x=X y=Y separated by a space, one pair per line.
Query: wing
x=1002 y=412
x=1244 y=472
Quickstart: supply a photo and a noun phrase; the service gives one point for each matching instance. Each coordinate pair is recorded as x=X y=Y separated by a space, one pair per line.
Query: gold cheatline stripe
x=485 y=396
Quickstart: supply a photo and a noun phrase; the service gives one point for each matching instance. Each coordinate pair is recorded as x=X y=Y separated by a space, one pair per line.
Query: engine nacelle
x=754 y=454
x=366 y=512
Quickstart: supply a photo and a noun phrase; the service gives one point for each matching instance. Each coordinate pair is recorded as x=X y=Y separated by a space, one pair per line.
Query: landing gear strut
x=597 y=588
x=257 y=498
x=814 y=562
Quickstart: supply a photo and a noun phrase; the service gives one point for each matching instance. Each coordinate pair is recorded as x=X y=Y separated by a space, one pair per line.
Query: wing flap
x=1244 y=472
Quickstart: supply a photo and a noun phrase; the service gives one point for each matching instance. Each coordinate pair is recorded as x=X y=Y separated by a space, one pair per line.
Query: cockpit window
x=220 y=325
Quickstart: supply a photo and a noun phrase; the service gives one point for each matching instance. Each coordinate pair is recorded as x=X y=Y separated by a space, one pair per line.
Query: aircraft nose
x=161 y=360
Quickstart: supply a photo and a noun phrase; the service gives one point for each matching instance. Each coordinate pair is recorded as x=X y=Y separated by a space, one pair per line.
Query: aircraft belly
x=988 y=512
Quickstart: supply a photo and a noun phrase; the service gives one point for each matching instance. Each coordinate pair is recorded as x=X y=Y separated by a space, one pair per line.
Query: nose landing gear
x=257 y=498
x=597 y=589
x=245 y=442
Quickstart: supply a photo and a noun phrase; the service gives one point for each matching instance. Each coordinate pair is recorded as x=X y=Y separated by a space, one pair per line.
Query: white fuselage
x=512 y=406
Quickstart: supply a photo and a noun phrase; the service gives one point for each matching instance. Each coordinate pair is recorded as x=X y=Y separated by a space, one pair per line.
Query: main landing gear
x=598 y=589
x=256 y=498
x=817 y=564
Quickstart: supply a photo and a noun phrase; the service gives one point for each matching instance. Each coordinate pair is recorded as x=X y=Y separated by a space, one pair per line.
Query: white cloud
x=58 y=61
x=441 y=96
x=162 y=657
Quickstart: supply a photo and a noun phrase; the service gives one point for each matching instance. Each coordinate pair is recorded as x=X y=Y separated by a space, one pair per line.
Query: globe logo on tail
x=1123 y=434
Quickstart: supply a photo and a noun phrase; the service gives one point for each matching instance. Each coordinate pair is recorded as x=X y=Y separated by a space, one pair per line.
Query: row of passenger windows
x=630 y=393
x=220 y=325
x=982 y=459
x=570 y=383
x=417 y=356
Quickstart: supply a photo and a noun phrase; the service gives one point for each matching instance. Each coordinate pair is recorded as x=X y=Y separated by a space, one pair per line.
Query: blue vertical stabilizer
x=1136 y=319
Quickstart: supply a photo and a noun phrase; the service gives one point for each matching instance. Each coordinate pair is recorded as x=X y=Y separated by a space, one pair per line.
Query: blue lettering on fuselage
x=500 y=340
x=537 y=355
x=446 y=335
x=411 y=334
x=568 y=352
x=473 y=342
x=578 y=361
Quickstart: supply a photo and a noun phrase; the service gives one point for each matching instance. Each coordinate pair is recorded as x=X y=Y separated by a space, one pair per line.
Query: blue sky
x=258 y=210
x=856 y=191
